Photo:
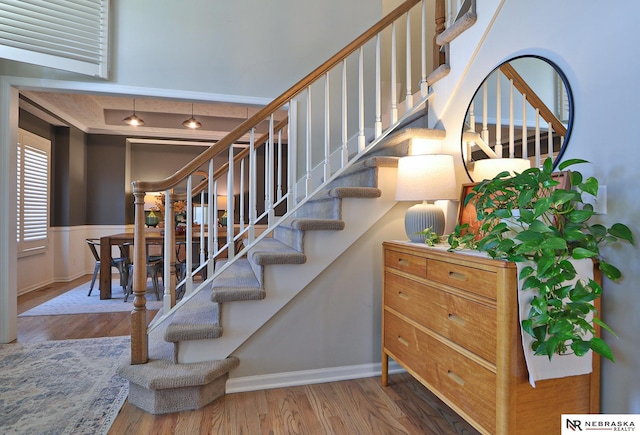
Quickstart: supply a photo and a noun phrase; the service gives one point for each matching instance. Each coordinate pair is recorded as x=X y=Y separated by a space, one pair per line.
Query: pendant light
x=133 y=120
x=192 y=122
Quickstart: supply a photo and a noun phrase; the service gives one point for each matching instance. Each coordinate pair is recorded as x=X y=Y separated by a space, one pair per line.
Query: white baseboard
x=307 y=377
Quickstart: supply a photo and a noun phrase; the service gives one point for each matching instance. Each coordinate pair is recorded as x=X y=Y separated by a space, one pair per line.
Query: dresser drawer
x=406 y=263
x=468 y=385
x=477 y=281
x=470 y=324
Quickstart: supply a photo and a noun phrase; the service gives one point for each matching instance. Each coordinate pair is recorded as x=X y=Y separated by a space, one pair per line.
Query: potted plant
x=552 y=228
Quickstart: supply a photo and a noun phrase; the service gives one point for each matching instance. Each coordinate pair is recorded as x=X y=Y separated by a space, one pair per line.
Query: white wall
x=336 y=320
x=242 y=48
x=596 y=47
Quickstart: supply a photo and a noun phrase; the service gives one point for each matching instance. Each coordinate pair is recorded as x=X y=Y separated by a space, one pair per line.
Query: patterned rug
x=61 y=387
x=76 y=301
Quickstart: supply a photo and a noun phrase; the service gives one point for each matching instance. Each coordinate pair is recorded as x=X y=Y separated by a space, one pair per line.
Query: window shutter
x=33 y=193
x=70 y=35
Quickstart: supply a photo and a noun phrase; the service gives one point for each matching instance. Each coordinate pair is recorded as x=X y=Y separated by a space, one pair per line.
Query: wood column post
x=139 y=339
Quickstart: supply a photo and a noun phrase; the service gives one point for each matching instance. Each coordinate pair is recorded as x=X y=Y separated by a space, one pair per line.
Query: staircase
x=190 y=351
x=190 y=358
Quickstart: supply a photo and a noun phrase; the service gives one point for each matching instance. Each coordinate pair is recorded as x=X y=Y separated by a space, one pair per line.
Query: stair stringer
x=282 y=282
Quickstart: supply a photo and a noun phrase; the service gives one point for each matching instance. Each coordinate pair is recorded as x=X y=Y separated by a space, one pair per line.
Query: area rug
x=61 y=387
x=76 y=301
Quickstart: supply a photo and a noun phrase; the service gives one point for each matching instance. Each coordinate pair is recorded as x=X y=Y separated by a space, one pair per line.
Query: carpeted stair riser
x=238 y=283
x=176 y=399
x=161 y=387
x=198 y=320
x=326 y=208
x=365 y=177
x=327 y=204
x=290 y=236
x=292 y=231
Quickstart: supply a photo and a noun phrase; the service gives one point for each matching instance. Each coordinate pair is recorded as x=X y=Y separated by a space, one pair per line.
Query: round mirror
x=520 y=115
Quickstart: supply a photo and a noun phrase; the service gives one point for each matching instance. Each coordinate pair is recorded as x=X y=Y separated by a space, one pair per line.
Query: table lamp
x=151 y=218
x=427 y=177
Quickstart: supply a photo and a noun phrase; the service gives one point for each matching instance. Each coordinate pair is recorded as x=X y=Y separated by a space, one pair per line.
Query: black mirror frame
x=570 y=101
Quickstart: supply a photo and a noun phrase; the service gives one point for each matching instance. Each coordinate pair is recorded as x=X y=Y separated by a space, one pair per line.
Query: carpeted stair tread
x=372 y=162
x=237 y=283
x=314 y=224
x=348 y=192
x=198 y=319
x=272 y=251
x=160 y=374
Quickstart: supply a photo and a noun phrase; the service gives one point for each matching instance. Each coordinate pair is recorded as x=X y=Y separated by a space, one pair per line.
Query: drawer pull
x=403 y=341
x=457 y=319
x=403 y=262
x=455 y=378
x=457 y=275
x=403 y=295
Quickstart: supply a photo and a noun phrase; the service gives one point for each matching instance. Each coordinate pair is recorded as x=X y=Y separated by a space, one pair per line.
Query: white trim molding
x=308 y=377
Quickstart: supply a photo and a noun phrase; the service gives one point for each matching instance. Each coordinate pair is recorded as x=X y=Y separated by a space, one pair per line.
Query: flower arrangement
x=178 y=206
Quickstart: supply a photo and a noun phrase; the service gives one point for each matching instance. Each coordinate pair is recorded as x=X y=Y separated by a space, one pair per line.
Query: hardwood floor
x=360 y=406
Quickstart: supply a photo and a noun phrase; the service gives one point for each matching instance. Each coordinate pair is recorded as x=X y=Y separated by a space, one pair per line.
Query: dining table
x=152 y=235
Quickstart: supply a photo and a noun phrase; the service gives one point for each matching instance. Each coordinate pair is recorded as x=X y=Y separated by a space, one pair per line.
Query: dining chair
x=119 y=263
x=155 y=267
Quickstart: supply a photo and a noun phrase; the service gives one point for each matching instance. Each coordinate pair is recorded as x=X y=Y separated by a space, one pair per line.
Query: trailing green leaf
x=552 y=229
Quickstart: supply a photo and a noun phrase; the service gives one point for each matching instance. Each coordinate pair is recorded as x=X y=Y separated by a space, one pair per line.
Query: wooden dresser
x=451 y=320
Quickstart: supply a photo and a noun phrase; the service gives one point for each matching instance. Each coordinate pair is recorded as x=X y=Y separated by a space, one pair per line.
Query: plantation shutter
x=32 y=221
x=70 y=35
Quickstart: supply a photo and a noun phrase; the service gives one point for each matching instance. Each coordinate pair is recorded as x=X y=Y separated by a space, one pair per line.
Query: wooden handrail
x=537 y=103
x=237 y=158
x=276 y=104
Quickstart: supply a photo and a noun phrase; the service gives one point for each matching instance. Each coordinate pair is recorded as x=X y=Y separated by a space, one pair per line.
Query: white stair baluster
x=308 y=162
x=361 y=136
x=484 y=134
x=327 y=129
x=231 y=218
x=525 y=130
x=537 y=139
x=498 y=126
x=409 y=98
x=378 y=121
x=394 y=71
x=511 y=122
x=292 y=156
x=424 y=88
x=345 y=131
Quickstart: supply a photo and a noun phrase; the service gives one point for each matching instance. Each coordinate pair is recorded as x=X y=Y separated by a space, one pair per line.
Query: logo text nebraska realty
x=602 y=423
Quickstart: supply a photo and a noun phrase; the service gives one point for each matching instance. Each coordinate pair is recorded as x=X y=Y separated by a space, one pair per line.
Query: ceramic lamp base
x=420 y=217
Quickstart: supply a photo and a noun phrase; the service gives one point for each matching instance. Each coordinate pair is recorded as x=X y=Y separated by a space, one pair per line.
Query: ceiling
x=101 y=114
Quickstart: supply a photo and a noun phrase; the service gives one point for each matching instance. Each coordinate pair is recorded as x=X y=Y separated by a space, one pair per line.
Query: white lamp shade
x=428 y=177
x=488 y=168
